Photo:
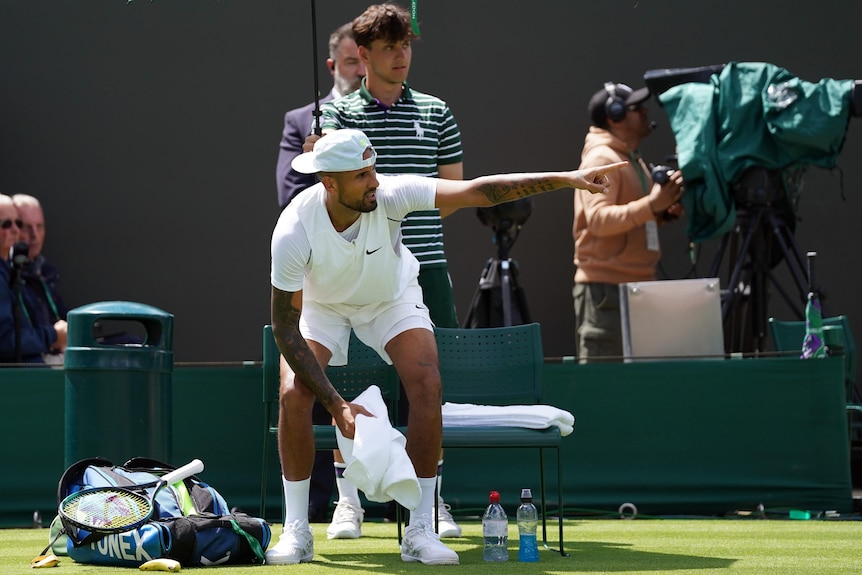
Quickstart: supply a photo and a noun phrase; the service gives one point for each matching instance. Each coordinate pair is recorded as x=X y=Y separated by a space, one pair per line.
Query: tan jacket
x=609 y=230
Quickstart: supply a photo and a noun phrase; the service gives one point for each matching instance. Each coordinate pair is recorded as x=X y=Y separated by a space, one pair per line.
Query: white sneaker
x=346 y=521
x=445 y=522
x=422 y=544
x=296 y=545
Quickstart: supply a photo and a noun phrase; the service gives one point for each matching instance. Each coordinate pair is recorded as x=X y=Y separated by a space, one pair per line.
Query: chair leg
x=561 y=551
x=542 y=492
x=560 y=498
x=437 y=506
x=264 y=468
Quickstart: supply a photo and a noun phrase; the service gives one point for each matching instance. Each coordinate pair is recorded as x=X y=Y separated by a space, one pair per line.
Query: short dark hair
x=382 y=22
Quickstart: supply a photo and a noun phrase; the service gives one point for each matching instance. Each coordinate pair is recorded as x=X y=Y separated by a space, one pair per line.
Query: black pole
x=316 y=112
x=17 y=302
x=18 y=260
x=812 y=285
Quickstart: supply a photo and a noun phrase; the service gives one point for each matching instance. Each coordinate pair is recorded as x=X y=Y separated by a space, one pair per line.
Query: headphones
x=615 y=107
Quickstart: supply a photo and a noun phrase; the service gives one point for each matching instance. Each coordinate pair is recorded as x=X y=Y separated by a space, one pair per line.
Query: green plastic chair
x=499 y=366
x=787 y=336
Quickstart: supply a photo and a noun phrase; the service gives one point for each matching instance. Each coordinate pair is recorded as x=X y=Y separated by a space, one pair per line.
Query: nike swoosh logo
x=369 y=252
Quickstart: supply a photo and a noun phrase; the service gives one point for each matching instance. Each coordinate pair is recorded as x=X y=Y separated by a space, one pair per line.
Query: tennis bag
x=191 y=521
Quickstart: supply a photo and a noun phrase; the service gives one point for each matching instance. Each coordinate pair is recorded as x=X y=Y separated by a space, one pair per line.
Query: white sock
x=428 y=486
x=296 y=499
x=346 y=489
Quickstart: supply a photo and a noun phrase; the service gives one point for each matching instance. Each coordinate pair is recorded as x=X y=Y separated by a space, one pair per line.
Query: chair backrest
x=271 y=366
x=364 y=368
x=491 y=366
x=789 y=335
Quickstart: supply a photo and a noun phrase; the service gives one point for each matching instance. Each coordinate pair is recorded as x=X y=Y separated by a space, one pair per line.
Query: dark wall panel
x=150 y=132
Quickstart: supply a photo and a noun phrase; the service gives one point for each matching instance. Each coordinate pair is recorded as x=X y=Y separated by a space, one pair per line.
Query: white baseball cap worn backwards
x=338 y=151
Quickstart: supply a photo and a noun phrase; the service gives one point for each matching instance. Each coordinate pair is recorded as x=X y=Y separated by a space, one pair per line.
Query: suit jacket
x=35 y=338
x=297 y=126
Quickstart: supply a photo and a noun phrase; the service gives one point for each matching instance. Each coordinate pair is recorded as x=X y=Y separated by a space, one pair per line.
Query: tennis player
x=338 y=263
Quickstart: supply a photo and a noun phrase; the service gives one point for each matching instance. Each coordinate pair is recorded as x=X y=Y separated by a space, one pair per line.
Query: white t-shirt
x=373 y=267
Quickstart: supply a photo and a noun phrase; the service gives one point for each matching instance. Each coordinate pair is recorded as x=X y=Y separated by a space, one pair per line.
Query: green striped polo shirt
x=413 y=136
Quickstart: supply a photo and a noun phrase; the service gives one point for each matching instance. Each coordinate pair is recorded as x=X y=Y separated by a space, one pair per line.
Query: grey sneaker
x=296 y=545
x=422 y=544
x=445 y=522
x=346 y=521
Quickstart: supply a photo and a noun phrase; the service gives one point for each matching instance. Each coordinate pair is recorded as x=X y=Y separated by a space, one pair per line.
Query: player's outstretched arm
x=491 y=190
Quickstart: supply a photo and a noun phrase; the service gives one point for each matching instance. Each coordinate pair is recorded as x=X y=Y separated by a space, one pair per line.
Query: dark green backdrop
x=150 y=131
x=704 y=438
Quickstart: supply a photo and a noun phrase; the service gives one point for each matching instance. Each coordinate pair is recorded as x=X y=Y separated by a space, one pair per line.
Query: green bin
x=118 y=396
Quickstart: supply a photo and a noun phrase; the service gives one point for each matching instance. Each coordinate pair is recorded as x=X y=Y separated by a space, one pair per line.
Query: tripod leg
x=719 y=255
x=484 y=310
x=519 y=311
x=506 y=289
x=521 y=299
x=797 y=269
x=479 y=303
x=759 y=303
x=735 y=292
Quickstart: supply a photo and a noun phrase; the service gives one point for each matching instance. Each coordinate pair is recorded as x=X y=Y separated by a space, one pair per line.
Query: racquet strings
x=107 y=509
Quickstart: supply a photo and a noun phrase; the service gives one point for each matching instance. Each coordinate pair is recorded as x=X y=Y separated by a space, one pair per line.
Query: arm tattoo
x=514 y=188
x=294 y=348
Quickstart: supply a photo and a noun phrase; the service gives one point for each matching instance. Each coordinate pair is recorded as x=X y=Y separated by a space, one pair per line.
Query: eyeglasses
x=6 y=224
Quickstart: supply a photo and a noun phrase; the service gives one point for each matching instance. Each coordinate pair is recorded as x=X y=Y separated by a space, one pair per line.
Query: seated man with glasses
x=40 y=276
x=7 y=224
x=616 y=234
x=25 y=335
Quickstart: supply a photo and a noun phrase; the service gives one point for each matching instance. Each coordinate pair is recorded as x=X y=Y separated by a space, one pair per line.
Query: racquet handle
x=180 y=473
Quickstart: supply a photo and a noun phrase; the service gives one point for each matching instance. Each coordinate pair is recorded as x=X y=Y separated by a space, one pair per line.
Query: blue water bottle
x=528 y=519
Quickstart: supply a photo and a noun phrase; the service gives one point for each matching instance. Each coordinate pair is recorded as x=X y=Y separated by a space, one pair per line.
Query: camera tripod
x=498 y=300
x=761 y=239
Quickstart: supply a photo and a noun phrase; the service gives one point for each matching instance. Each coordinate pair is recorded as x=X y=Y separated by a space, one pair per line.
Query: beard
x=346 y=86
x=363 y=204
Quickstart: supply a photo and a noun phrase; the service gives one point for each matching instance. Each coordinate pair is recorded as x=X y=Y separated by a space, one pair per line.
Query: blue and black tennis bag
x=191 y=521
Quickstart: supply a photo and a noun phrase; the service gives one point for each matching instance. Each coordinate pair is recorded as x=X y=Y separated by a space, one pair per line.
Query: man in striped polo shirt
x=413 y=133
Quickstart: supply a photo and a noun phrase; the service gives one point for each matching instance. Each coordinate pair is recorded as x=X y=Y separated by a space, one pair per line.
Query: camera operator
x=616 y=234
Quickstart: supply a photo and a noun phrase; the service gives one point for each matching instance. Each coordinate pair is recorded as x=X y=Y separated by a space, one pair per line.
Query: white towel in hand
x=531 y=416
x=377 y=462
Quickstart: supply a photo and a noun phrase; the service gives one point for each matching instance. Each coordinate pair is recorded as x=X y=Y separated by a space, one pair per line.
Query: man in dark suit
x=347 y=72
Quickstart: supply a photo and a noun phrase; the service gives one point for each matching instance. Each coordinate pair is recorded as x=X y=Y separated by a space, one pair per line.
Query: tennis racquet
x=117 y=509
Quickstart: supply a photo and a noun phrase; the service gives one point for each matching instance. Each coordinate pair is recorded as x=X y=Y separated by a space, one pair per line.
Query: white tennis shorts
x=374 y=324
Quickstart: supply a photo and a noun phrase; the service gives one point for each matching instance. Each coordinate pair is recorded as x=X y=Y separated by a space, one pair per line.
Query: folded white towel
x=376 y=458
x=531 y=416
